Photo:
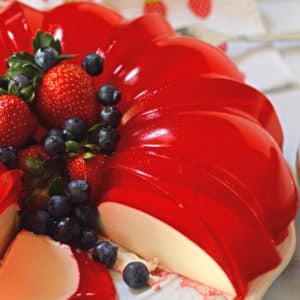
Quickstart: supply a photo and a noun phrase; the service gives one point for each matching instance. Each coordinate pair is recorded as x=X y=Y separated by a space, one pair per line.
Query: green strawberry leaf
x=95 y=127
x=92 y=147
x=72 y=154
x=66 y=56
x=3 y=91
x=35 y=166
x=28 y=71
x=26 y=91
x=22 y=60
x=88 y=155
x=43 y=40
x=31 y=98
x=13 y=89
x=28 y=94
x=73 y=146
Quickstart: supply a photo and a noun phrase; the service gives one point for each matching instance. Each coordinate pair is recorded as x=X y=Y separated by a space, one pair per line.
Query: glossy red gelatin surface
x=95 y=281
x=200 y=150
x=10 y=187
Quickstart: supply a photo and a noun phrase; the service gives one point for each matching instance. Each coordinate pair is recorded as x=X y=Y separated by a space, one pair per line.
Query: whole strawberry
x=89 y=170
x=17 y=123
x=66 y=91
x=155 y=6
x=36 y=152
x=201 y=8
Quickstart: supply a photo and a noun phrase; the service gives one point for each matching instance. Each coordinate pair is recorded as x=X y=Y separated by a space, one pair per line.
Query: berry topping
x=108 y=139
x=136 y=275
x=109 y=95
x=36 y=221
x=21 y=81
x=8 y=156
x=106 y=253
x=17 y=123
x=66 y=91
x=46 y=58
x=74 y=129
x=110 y=116
x=56 y=132
x=93 y=64
x=30 y=155
x=78 y=191
x=59 y=206
x=54 y=145
x=88 y=239
x=67 y=230
x=89 y=170
x=87 y=215
x=62 y=167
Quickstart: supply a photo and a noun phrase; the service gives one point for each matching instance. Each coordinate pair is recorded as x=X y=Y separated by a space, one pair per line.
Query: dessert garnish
x=136 y=275
x=59 y=130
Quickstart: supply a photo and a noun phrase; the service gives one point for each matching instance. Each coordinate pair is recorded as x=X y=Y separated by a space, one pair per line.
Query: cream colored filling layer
x=37 y=268
x=153 y=239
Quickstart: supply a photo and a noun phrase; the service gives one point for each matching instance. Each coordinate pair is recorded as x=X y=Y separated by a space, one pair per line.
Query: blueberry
x=21 y=81
x=136 y=275
x=111 y=116
x=59 y=206
x=88 y=239
x=54 y=145
x=66 y=230
x=87 y=215
x=8 y=156
x=3 y=83
x=67 y=136
x=106 y=253
x=74 y=129
x=46 y=58
x=109 y=95
x=36 y=221
x=93 y=64
x=108 y=139
x=78 y=191
x=55 y=132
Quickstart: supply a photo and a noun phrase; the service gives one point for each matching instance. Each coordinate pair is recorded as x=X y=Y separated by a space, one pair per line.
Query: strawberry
x=89 y=170
x=201 y=8
x=35 y=151
x=155 y=6
x=66 y=91
x=16 y=122
x=40 y=134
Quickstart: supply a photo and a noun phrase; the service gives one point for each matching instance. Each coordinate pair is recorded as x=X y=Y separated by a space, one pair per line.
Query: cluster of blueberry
x=107 y=137
x=74 y=129
x=109 y=96
x=69 y=218
x=135 y=274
